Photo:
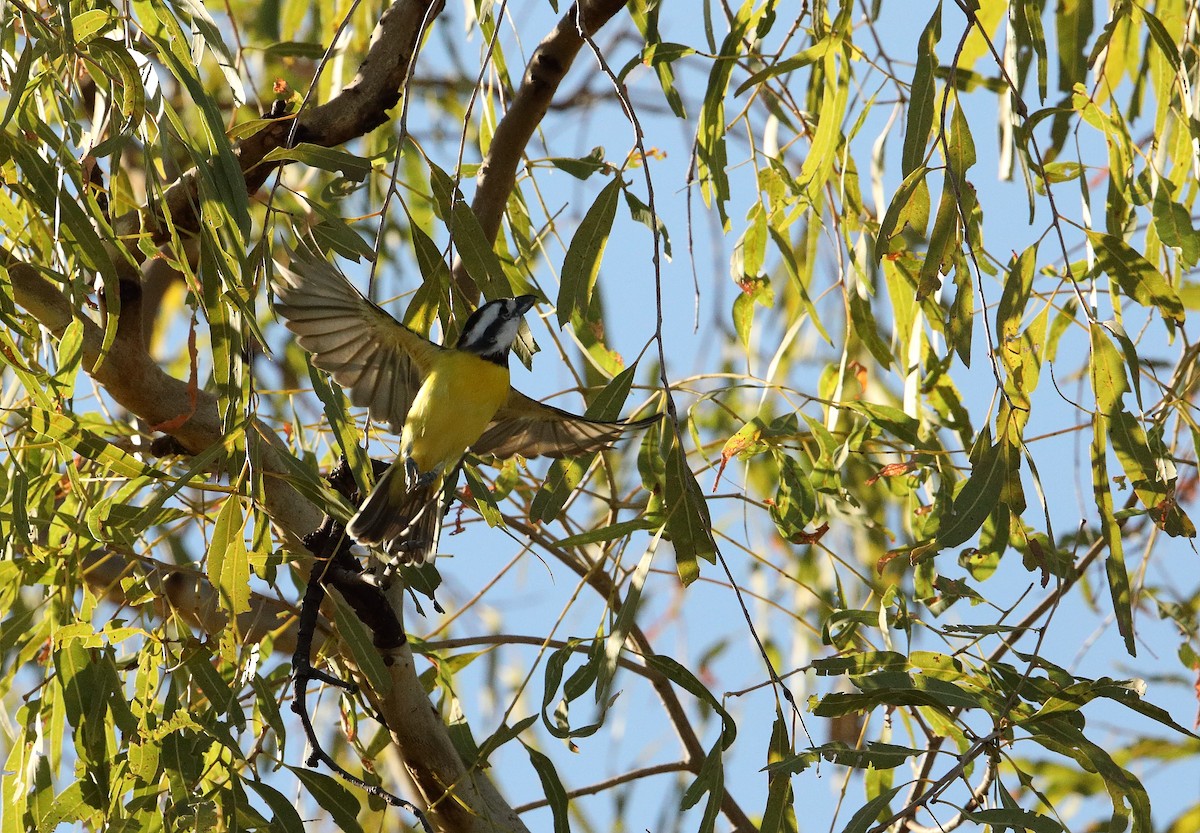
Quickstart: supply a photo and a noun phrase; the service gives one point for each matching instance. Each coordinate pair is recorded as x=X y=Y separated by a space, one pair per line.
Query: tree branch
x=359 y=108
x=134 y=379
x=544 y=72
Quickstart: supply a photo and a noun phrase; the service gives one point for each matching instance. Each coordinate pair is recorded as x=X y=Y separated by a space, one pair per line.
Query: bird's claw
x=414 y=478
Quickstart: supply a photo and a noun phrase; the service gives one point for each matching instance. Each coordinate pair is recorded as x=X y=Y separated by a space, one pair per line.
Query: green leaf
x=501 y=736
x=1161 y=37
x=62 y=428
x=1014 y=297
x=222 y=699
x=774 y=69
x=339 y=236
x=664 y=52
x=796 y=501
x=712 y=161
x=866 y=327
x=1173 y=223
x=605 y=533
x=552 y=788
x=960 y=320
x=582 y=262
x=922 y=102
x=1017 y=820
x=283 y=812
x=909 y=209
x=477 y=252
x=48 y=191
x=583 y=167
x=336 y=406
x=340 y=803
x=433 y=295
x=860 y=662
x=1137 y=277
x=893 y=420
x=1129 y=798
x=875 y=755
x=976 y=498
x=1073 y=23
x=711 y=781
x=19 y=79
x=565 y=475
x=788 y=255
x=826 y=141
x=960 y=147
x=640 y=212
x=362 y=647
x=228 y=558
x=685 y=679
x=689 y=524
x=327 y=159
x=1148 y=465
x=1114 y=564
x=485 y=501
x=68 y=806
x=866 y=816
x=1107 y=371
x=579 y=682
x=943 y=242
x=743 y=318
x=614 y=643
x=779 y=816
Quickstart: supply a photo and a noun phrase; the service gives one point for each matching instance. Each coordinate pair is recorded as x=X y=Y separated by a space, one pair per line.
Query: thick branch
x=133 y=379
x=359 y=108
x=459 y=799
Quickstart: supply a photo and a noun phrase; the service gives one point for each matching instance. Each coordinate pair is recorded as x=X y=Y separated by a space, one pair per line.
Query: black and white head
x=491 y=329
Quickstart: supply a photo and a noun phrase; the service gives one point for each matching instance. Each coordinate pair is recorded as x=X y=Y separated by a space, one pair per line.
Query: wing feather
x=368 y=352
x=530 y=428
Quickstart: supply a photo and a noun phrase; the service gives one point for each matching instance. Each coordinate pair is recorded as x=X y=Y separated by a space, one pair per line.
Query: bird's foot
x=414 y=478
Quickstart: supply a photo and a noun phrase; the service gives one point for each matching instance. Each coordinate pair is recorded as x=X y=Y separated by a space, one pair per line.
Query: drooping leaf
x=975 y=500
x=689 y=524
x=909 y=209
x=1137 y=277
x=581 y=265
x=228 y=558
x=332 y=797
x=922 y=103
x=552 y=788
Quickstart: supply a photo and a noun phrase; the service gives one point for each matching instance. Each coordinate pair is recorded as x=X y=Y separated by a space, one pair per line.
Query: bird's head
x=491 y=329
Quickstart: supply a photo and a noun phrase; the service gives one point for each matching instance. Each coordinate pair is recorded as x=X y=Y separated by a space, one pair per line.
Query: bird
x=442 y=400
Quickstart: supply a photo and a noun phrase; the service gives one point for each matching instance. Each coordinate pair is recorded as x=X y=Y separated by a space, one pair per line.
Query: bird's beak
x=525 y=303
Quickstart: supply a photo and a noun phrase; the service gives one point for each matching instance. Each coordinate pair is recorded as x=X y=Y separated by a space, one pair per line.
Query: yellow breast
x=456 y=402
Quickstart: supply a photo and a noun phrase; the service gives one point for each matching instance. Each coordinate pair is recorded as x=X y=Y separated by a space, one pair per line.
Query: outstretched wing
x=372 y=355
x=527 y=427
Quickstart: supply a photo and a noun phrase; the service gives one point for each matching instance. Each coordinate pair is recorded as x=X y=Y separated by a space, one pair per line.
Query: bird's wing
x=379 y=360
x=529 y=428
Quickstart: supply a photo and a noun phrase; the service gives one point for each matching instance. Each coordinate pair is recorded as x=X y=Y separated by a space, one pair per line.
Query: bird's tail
x=402 y=519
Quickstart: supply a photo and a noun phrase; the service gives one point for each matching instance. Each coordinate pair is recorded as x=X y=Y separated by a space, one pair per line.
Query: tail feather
x=403 y=522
